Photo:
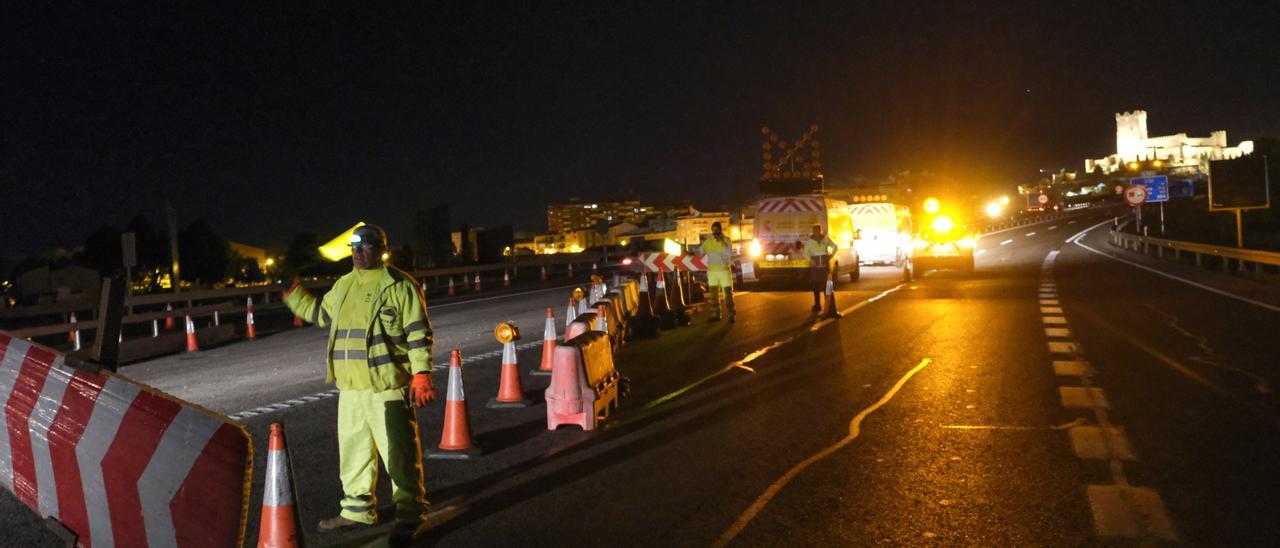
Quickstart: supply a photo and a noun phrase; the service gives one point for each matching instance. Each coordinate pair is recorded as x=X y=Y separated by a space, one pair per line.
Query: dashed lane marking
x=855 y=429
x=1030 y=234
x=1051 y=310
x=1059 y=347
x=1049 y=302
x=1054 y=320
x=1096 y=443
x=1070 y=368
x=1054 y=227
x=1129 y=512
x=1057 y=332
x=303 y=400
x=1006 y=242
x=1076 y=397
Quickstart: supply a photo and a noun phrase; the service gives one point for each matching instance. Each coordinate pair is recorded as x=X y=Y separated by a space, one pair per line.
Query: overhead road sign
x=1157 y=187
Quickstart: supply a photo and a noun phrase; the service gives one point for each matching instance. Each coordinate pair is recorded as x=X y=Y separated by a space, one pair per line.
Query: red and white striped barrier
x=666 y=262
x=116 y=462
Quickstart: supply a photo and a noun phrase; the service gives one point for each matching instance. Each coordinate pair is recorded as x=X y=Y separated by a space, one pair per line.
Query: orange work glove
x=292 y=286
x=420 y=389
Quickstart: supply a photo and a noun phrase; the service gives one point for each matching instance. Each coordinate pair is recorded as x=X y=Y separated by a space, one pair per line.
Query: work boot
x=339 y=523
x=405 y=534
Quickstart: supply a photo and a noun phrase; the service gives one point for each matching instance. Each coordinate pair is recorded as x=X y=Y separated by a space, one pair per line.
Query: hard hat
x=372 y=234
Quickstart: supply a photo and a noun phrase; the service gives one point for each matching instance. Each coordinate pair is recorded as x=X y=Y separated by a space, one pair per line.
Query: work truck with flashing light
x=782 y=224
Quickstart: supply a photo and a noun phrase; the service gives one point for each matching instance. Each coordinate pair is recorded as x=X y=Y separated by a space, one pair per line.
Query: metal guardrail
x=1242 y=257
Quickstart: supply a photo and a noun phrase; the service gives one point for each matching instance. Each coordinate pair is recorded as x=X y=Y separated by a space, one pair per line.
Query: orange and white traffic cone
x=829 y=300
x=602 y=322
x=279 y=526
x=548 y=346
x=73 y=336
x=451 y=289
x=455 y=440
x=570 y=314
x=168 y=320
x=510 y=394
x=506 y=280
x=544 y=272
x=477 y=282
x=593 y=268
x=570 y=270
x=249 y=331
x=191 y=336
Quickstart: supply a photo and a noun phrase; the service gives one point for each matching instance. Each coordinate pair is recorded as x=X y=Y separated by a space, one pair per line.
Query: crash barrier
x=1247 y=261
x=581 y=324
x=610 y=322
x=584 y=383
x=1011 y=224
x=115 y=462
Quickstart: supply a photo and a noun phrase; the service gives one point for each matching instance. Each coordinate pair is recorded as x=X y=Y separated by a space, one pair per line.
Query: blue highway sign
x=1157 y=187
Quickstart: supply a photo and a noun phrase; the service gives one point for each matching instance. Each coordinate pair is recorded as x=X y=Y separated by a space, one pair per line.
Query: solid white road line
x=1080 y=235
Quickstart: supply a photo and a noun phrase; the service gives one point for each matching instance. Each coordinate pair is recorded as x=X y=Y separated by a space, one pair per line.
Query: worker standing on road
x=717 y=253
x=379 y=355
x=819 y=249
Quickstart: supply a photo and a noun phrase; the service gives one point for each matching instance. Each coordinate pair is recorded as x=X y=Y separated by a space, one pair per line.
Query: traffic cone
x=643 y=323
x=582 y=305
x=455 y=440
x=661 y=303
x=593 y=268
x=477 y=282
x=570 y=271
x=548 y=346
x=451 y=289
x=544 y=272
x=191 y=336
x=510 y=394
x=73 y=336
x=829 y=300
x=602 y=323
x=279 y=526
x=249 y=332
x=168 y=320
x=570 y=314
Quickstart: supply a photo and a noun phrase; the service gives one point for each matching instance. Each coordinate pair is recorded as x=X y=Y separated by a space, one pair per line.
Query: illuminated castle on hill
x=1133 y=145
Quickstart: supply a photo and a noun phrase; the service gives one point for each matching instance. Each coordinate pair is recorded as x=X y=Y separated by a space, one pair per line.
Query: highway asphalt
x=1061 y=395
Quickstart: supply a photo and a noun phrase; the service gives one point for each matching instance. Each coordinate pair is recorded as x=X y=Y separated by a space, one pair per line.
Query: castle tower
x=1131 y=132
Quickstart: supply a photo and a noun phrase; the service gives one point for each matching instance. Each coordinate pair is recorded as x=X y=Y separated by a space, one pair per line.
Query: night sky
x=270 y=121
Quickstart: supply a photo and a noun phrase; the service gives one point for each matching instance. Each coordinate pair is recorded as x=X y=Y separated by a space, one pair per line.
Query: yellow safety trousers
x=373 y=424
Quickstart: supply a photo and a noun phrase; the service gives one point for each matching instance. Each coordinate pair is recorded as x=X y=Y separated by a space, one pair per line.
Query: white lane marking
x=855 y=429
x=1129 y=512
x=1071 y=222
x=1079 y=235
x=1050 y=310
x=1083 y=398
x=1057 y=332
x=1070 y=368
x=1097 y=443
x=1059 y=347
x=1053 y=302
x=1054 y=227
x=979 y=252
x=1030 y=234
x=1006 y=242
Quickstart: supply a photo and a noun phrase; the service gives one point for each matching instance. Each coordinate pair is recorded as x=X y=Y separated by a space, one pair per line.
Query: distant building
x=1178 y=150
x=575 y=214
x=246 y=251
x=690 y=229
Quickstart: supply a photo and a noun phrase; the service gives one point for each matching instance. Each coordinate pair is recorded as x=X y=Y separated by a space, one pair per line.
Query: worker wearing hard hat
x=379 y=355
x=819 y=250
x=717 y=254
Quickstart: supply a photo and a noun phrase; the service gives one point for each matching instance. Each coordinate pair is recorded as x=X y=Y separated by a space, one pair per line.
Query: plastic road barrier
x=584 y=383
x=118 y=463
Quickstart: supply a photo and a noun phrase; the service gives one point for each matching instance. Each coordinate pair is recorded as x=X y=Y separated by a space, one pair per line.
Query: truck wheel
x=856 y=273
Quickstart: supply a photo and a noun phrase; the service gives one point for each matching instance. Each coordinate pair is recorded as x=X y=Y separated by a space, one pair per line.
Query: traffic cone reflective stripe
x=570 y=314
x=73 y=336
x=548 y=345
x=191 y=336
x=506 y=280
x=279 y=527
x=249 y=331
x=510 y=394
x=455 y=440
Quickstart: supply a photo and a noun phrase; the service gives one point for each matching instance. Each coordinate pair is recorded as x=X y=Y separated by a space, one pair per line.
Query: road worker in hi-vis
x=379 y=356
x=717 y=254
x=819 y=249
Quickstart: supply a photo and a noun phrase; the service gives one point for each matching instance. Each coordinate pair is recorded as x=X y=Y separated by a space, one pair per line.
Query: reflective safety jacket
x=717 y=254
x=817 y=248
x=398 y=338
